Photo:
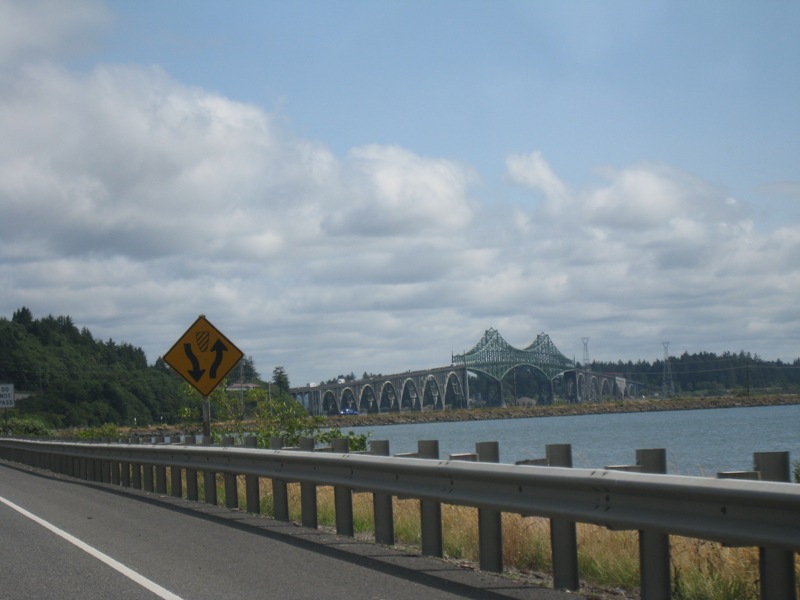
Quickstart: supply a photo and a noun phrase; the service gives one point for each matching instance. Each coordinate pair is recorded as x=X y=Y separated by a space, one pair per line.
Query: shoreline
x=561 y=410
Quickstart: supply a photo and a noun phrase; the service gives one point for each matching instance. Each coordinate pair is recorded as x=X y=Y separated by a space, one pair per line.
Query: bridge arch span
x=329 y=404
x=410 y=399
x=366 y=401
x=431 y=395
x=388 y=398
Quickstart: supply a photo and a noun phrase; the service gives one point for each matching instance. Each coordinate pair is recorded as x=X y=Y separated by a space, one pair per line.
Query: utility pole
x=586 y=366
x=667 y=386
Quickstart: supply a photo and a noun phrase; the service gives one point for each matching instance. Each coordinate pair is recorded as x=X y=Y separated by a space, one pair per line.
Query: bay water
x=698 y=442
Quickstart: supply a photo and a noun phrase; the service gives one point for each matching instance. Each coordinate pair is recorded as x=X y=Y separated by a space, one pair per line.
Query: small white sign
x=6 y=395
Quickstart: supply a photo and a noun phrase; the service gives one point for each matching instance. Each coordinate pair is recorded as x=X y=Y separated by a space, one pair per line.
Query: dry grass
x=701 y=570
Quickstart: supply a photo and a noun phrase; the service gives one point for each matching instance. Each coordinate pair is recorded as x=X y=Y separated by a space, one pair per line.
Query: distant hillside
x=75 y=380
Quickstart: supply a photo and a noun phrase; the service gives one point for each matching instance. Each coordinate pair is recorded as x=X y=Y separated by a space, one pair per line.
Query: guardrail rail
x=733 y=509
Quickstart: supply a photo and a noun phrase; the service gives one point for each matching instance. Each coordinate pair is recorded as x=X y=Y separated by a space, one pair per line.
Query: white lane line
x=129 y=573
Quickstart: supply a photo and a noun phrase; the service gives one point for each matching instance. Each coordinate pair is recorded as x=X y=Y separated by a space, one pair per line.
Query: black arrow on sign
x=219 y=348
x=196 y=371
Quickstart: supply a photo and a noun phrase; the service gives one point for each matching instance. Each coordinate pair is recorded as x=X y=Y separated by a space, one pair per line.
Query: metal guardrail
x=764 y=514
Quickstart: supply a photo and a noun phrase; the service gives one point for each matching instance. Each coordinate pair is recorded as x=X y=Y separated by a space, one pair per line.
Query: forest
x=68 y=378
x=706 y=373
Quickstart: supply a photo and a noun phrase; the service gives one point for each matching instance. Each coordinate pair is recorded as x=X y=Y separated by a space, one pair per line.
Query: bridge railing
x=733 y=511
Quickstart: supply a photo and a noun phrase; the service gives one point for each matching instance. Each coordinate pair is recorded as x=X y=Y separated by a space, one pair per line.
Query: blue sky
x=351 y=186
x=705 y=87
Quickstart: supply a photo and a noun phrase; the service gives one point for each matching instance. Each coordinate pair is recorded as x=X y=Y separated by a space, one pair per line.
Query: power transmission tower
x=667 y=386
x=585 y=341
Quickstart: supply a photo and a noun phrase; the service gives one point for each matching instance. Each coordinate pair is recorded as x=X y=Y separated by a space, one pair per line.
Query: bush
x=27 y=426
x=107 y=431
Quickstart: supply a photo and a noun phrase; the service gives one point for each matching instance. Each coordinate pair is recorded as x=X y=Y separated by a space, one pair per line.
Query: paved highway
x=61 y=538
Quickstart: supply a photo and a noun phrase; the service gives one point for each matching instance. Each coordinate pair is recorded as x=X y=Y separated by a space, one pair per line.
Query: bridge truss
x=442 y=388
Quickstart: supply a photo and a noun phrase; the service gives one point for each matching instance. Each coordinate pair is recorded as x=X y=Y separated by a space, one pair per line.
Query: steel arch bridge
x=442 y=388
x=495 y=357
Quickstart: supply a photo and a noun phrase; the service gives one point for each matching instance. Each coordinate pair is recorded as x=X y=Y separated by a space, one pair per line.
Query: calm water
x=698 y=442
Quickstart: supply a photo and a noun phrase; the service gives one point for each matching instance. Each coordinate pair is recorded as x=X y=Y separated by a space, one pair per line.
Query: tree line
x=709 y=373
x=70 y=379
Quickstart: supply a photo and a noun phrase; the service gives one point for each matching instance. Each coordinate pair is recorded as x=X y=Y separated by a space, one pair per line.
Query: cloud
x=45 y=28
x=133 y=203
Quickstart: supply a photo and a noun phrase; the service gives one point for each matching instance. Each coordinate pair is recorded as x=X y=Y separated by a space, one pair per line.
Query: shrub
x=27 y=426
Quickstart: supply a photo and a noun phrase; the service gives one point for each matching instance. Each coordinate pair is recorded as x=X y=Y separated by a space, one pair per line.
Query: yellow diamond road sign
x=203 y=356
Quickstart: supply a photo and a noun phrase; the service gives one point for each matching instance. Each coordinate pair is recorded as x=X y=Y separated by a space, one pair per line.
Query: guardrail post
x=343 y=496
x=308 y=492
x=147 y=480
x=280 y=491
x=176 y=475
x=191 y=474
x=563 y=534
x=430 y=511
x=84 y=466
x=490 y=522
x=251 y=491
x=231 y=489
x=209 y=478
x=125 y=474
x=654 y=550
x=161 y=472
x=382 y=506
x=776 y=566
x=136 y=469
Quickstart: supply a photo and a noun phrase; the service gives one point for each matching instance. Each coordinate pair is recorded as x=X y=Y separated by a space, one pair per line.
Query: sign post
x=7 y=400
x=203 y=357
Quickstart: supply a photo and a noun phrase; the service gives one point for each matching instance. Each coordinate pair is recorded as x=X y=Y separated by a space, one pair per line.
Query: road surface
x=63 y=538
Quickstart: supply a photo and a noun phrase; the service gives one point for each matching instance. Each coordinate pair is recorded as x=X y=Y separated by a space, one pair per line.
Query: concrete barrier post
x=563 y=534
x=251 y=491
x=231 y=488
x=654 y=550
x=490 y=524
x=382 y=506
x=776 y=566
x=430 y=511
x=343 y=496
x=280 y=491
x=308 y=492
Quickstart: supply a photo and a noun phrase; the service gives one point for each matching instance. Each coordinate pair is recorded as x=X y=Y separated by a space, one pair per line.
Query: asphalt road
x=131 y=544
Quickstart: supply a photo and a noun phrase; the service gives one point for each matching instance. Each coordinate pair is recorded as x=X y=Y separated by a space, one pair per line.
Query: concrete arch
x=594 y=389
x=388 y=398
x=348 y=401
x=582 y=388
x=454 y=392
x=410 y=400
x=431 y=395
x=329 y=404
x=367 y=402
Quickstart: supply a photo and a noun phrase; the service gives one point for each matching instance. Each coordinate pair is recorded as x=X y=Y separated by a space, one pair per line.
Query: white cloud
x=133 y=203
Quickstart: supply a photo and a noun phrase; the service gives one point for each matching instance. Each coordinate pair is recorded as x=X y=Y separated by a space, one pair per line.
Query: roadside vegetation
x=608 y=560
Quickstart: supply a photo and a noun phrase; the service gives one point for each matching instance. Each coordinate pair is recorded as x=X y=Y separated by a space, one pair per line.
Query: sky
x=350 y=186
